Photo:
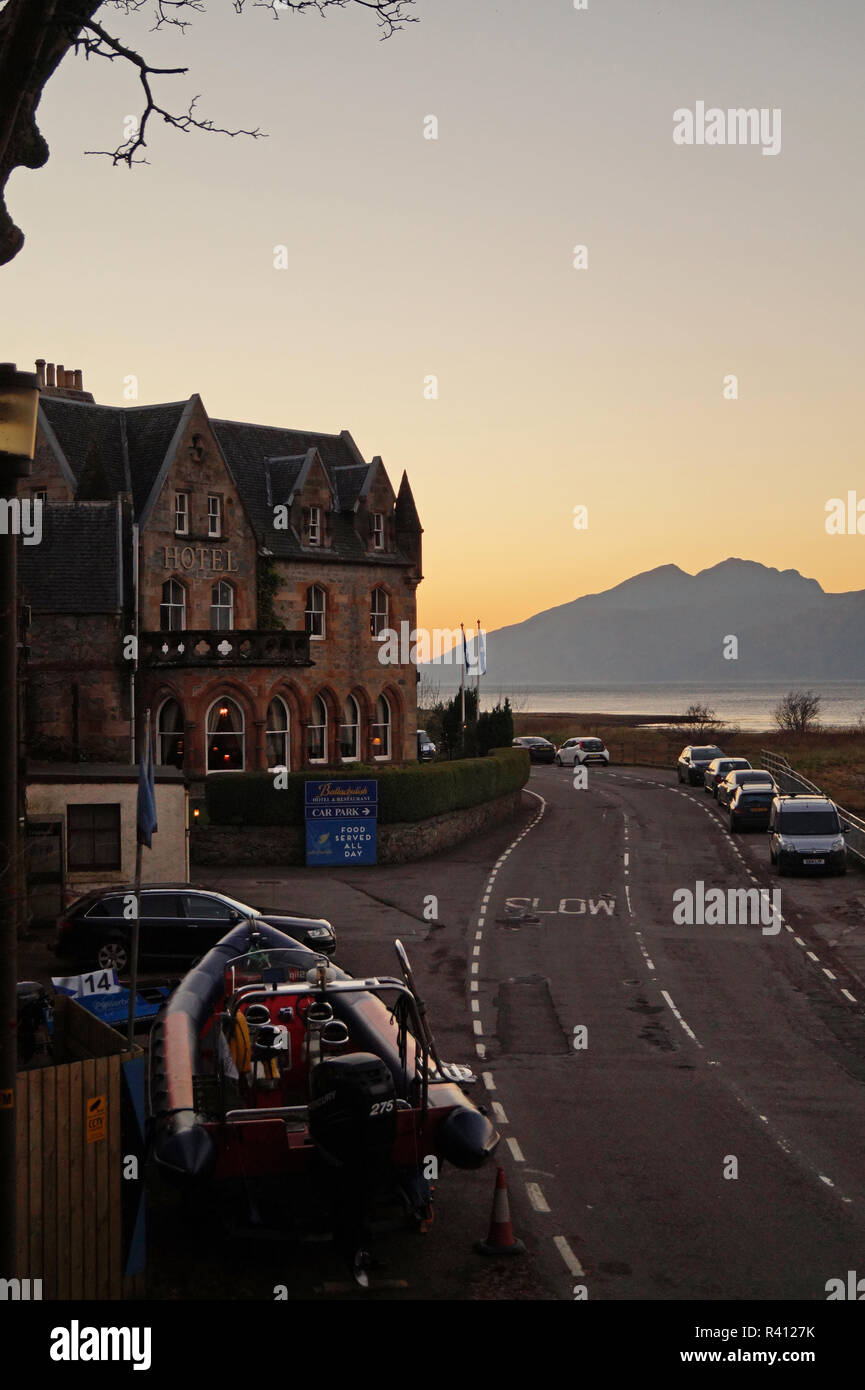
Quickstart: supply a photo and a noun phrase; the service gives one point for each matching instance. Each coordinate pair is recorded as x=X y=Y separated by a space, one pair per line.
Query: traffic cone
x=501 y=1239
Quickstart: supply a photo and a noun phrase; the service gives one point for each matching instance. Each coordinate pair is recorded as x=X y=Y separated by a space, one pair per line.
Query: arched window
x=315 y=611
x=348 y=731
x=222 y=607
x=277 y=735
x=378 y=612
x=316 y=732
x=225 y=737
x=169 y=735
x=381 y=729
x=172 y=610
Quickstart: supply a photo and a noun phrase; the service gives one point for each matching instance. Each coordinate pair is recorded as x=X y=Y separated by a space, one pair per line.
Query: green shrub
x=413 y=793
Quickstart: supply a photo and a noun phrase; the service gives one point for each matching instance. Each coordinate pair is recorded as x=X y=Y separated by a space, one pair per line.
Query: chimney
x=62 y=381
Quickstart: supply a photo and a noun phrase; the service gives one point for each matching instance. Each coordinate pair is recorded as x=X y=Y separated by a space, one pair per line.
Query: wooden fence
x=70 y=1163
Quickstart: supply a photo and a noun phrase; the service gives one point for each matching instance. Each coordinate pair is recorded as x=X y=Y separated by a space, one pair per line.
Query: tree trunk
x=35 y=35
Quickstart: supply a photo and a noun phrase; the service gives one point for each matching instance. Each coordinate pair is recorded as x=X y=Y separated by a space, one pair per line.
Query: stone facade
x=236 y=575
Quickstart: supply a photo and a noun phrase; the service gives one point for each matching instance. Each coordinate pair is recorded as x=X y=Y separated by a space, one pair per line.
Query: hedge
x=412 y=793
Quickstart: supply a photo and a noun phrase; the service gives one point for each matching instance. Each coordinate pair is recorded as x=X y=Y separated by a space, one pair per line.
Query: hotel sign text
x=187 y=557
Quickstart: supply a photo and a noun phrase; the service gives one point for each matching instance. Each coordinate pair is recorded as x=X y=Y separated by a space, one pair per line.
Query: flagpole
x=463 y=693
x=478 y=660
x=133 y=981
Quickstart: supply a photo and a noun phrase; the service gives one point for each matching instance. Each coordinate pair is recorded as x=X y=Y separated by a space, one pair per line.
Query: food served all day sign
x=341 y=816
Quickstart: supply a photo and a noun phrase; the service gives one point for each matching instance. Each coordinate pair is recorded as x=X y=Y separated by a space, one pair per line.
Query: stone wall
x=239 y=845
x=76 y=690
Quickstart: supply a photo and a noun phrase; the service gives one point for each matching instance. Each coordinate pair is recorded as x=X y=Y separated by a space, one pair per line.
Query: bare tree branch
x=102 y=45
x=36 y=35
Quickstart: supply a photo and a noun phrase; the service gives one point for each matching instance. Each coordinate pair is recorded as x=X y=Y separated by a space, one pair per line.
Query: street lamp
x=19 y=404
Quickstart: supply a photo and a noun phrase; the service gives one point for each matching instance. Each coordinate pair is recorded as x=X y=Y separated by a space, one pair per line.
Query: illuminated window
x=169 y=735
x=225 y=737
x=381 y=729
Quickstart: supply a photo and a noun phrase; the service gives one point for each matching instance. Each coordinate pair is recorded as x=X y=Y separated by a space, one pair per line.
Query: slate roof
x=113 y=449
x=91 y=437
x=149 y=431
x=281 y=476
x=76 y=568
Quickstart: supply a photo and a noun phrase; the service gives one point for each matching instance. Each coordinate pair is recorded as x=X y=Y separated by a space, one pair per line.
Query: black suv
x=540 y=750
x=177 y=920
x=694 y=760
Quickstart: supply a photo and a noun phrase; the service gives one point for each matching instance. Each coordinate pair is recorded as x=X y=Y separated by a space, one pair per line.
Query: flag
x=482 y=651
x=466 y=662
x=146 y=792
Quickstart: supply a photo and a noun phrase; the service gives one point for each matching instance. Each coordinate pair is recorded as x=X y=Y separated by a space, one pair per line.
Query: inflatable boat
x=272 y=1072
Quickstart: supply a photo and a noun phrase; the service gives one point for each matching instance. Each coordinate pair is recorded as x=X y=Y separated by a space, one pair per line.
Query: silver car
x=806 y=834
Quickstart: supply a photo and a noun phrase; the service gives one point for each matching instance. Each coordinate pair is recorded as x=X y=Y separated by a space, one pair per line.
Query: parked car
x=750 y=806
x=426 y=749
x=717 y=771
x=805 y=833
x=582 y=750
x=540 y=750
x=176 y=920
x=744 y=777
x=694 y=760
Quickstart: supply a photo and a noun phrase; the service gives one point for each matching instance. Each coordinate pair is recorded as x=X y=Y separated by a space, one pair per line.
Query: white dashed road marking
x=536 y=1197
x=568 y=1256
x=689 y=1031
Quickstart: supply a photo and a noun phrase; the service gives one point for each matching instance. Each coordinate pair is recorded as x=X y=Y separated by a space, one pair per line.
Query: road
x=709 y=1050
x=706 y=1142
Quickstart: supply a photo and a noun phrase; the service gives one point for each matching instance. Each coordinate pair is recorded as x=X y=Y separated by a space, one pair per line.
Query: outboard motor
x=352 y=1110
x=352 y=1122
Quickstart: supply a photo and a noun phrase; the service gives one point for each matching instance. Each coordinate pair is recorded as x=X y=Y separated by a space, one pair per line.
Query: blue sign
x=341 y=816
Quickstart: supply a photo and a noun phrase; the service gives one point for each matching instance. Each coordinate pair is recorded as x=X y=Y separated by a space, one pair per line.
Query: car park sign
x=341 y=817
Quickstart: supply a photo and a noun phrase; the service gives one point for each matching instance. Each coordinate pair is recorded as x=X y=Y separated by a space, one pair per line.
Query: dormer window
x=314 y=531
x=181 y=513
x=214 y=517
x=378 y=530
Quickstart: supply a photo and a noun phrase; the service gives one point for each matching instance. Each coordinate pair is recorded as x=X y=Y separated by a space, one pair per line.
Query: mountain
x=666 y=625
